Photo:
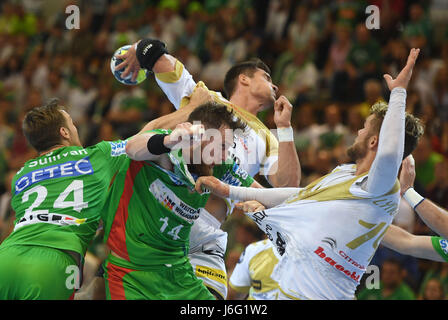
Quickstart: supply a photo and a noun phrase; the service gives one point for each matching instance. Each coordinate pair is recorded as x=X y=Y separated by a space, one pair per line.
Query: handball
x=142 y=74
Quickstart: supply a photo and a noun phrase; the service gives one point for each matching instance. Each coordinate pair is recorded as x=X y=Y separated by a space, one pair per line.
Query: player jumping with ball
x=250 y=90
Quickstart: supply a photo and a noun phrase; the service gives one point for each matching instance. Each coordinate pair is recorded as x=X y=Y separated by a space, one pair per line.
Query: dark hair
x=41 y=125
x=214 y=115
x=414 y=128
x=246 y=67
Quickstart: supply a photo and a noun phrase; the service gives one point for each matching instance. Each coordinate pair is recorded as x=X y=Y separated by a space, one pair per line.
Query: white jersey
x=256 y=151
x=327 y=234
x=253 y=272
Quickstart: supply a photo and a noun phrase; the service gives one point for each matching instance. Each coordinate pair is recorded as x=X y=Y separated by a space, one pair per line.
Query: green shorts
x=35 y=273
x=177 y=282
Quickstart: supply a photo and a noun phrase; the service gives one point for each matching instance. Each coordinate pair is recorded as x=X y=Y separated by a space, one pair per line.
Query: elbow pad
x=149 y=51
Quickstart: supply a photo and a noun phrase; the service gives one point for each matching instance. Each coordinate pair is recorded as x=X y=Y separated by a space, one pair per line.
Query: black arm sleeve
x=149 y=51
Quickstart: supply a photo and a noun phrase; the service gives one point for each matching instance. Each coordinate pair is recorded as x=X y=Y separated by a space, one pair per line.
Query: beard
x=357 y=151
x=202 y=170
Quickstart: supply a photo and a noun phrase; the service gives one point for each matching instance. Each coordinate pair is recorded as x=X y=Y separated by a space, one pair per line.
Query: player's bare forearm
x=136 y=147
x=435 y=217
x=166 y=63
x=404 y=242
x=397 y=239
x=170 y=121
x=286 y=172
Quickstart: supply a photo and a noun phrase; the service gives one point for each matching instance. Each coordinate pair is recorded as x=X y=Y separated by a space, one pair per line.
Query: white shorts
x=208 y=245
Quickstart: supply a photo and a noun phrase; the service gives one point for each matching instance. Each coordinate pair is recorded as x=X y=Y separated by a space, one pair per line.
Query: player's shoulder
x=110 y=148
x=345 y=168
x=158 y=131
x=259 y=246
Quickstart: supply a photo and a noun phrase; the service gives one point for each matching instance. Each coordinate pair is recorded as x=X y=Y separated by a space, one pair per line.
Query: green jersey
x=58 y=197
x=148 y=219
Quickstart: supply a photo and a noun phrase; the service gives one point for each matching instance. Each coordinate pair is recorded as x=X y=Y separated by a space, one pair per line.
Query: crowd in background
x=322 y=57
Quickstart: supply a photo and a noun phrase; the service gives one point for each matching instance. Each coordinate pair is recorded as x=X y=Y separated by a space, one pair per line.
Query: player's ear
x=243 y=79
x=65 y=134
x=373 y=141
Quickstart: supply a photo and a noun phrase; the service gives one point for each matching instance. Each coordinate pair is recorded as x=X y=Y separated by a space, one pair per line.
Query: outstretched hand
x=403 y=78
x=130 y=63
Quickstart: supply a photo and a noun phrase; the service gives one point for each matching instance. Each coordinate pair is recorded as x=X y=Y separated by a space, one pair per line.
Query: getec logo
x=67 y=169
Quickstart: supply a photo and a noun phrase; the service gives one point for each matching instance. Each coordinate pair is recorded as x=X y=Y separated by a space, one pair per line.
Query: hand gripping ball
x=142 y=74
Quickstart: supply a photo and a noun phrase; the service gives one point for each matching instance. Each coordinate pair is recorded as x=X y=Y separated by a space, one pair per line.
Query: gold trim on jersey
x=288 y=295
x=261 y=267
x=239 y=289
x=339 y=191
x=171 y=76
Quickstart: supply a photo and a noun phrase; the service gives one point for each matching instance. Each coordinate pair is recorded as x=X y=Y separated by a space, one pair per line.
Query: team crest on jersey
x=169 y=200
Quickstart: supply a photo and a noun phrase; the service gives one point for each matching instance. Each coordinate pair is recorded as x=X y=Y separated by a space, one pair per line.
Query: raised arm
x=170 y=74
x=199 y=96
x=434 y=216
x=286 y=172
x=384 y=169
x=404 y=242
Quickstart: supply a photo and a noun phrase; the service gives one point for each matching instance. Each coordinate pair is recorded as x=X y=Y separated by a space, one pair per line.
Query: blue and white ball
x=142 y=74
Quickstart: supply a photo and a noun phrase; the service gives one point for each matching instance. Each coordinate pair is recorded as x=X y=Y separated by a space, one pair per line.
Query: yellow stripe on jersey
x=251 y=120
x=339 y=191
x=171 y=76
x=261 y=267
x=239 y=289
x=289 y=296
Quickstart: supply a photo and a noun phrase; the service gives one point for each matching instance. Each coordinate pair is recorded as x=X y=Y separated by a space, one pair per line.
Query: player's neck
x=57 y=146
x=364 y=164
x=246 y=102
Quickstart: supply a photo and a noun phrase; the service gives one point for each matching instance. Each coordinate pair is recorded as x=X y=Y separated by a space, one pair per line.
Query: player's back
x=58 y=197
